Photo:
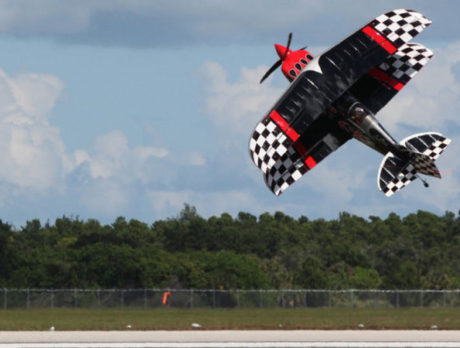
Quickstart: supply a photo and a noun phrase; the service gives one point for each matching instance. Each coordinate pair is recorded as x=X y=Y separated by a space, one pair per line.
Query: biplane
x=334 y=97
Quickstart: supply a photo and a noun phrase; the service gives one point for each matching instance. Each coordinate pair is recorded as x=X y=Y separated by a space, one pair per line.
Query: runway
x=230 y=338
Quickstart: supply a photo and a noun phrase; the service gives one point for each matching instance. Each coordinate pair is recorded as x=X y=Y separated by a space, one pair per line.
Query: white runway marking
x=229 y=338
x=240 y=345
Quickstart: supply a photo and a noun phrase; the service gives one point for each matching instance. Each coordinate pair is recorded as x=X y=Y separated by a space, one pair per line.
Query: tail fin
x=424 y=148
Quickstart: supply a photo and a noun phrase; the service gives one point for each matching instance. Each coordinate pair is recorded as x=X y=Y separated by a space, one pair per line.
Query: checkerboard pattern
x=406 y=176
x=437 y=148
x=400 y=26
x=430 y=144
x=408 y=60
x=267 y=144
x=285 y=172
x=425 y=165
x=425 y=149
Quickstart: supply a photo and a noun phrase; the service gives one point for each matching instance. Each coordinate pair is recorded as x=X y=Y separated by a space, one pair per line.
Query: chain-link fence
x=208 y=298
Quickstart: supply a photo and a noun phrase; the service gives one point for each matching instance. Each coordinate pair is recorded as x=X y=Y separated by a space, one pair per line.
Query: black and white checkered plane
x=266 y=143
x=407 y=61
x=401 y=25
x=285 y=172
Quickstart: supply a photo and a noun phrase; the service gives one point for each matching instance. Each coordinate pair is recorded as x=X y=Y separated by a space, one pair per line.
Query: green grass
x=181 y=319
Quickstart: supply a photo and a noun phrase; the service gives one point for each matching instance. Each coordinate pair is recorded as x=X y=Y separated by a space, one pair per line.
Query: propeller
x=279 y=61
x=287 y=46
x=272 y=69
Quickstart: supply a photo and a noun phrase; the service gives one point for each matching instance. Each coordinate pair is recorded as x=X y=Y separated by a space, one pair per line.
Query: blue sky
x=133 y=108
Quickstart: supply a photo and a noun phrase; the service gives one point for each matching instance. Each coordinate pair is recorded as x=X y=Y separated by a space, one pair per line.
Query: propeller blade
x=273 y=68
x=287 y=46
x=300 y=49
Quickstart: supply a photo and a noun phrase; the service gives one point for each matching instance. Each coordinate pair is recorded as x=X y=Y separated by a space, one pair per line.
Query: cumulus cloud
x=236 y=105
x=33 y=154
x=35 y=162
x=112 y=156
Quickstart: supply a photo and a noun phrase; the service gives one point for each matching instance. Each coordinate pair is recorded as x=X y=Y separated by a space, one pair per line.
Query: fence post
x=237 y=298
x=214 y=298
x=191 y=298
x=122 y=300
x=421 y=298
x=306 y=303
x=397 y=299
x=52 y=298
x=260 y=298
x=352 y=299
x=444 y=298
x=28 y=299
x=75 y=300
x=5 y=298
x=145 y=298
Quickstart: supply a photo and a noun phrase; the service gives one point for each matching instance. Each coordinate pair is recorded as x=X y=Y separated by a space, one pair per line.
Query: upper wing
x=383 y=82
x=326 y=78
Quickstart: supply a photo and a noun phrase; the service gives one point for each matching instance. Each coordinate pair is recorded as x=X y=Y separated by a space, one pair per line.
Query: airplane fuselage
x=360 y=122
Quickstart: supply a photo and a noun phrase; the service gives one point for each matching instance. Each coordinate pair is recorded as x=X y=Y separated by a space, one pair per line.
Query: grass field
x=212 y=319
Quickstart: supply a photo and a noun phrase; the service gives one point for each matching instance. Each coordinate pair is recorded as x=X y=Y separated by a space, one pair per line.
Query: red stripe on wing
x=384 y=77
x=380 y=39
x=310 y=162
x=302 y=151
x=281 y=122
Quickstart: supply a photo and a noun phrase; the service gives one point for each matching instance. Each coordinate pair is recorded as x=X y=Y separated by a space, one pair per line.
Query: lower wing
x=321 y=139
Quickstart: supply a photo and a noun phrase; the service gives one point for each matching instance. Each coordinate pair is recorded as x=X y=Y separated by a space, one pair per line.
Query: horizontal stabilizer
x=424 y=164
x=430 y=144
x=424 y=148
x=394 y=174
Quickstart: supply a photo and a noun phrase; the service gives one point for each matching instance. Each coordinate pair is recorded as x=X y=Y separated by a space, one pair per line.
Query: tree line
x=419 y=251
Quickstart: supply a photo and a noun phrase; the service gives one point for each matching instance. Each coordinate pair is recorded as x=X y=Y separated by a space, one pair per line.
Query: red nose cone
x=281 y=50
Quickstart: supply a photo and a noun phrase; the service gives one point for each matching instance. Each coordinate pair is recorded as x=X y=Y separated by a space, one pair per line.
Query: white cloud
x=36 y=93
x=237 y=106
x=112 y=157
x=35 y=161
x=32 y=152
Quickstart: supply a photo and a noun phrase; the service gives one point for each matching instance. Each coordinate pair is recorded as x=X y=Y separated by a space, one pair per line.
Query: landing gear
x=424 y=181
